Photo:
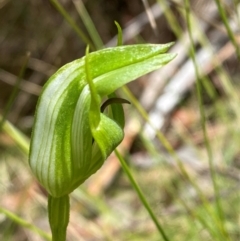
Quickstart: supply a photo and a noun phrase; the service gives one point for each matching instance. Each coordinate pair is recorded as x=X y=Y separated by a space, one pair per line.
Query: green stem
x=141 y=196
x=21 y=222
x=226 y=24
x=19 y=138
x=169 y=148
x=83 y=13
x=58 y=214
x=203 y=123
x=69 y=19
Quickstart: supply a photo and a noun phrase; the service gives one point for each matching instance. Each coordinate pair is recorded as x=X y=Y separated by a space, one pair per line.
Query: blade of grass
x=178 y=31
x=227 y=26
x=203 y=123
x=72 y=23
x=141 y=196
x=217 y=58
x=20 y=139
x=150 y=16
x=83 y=13
x=216 y=62
x=173 y=190
x=23 y=223
x=171 y=151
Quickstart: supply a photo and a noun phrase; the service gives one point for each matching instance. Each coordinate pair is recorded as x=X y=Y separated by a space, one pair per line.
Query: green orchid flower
x=72 y=135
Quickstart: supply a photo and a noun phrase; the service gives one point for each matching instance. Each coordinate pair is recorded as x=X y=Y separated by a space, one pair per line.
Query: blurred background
x=166 y=147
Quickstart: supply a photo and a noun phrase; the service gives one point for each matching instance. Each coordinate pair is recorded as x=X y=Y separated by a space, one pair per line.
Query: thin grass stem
x=19 y=138
x=203 y=123
x=141 y=196
x=171 y=151
x=193 y=215
x=23 y=223
x=72 y=23
x=83 y=13
x=227 y=26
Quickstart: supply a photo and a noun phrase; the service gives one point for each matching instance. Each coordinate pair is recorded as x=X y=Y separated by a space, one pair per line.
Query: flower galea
x=72 y=137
